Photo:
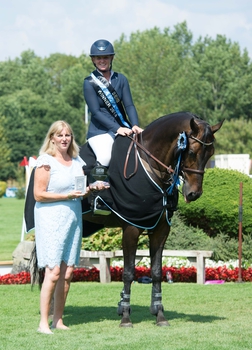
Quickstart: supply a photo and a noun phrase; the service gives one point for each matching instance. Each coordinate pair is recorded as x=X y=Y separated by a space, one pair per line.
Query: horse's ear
x=217 y=126
x=194 y=125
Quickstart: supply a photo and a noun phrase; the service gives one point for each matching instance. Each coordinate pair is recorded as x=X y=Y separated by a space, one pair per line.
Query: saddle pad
x=137 y=200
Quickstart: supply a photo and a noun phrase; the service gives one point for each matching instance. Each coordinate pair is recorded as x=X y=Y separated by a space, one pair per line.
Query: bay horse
x=172 y=148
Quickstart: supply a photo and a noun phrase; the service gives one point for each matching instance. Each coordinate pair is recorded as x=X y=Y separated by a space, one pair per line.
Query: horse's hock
x=101 y=260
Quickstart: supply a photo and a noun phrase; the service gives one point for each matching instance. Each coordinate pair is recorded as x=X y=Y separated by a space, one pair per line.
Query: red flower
x=183 y=274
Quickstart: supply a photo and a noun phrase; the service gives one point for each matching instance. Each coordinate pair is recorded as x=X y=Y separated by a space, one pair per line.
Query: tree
x=235 y=137
x=161 y=71
x=10 y=72
x=5 y=152
x=224 y=79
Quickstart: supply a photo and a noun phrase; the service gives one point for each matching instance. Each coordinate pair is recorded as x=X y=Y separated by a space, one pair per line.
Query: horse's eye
x=191 y=154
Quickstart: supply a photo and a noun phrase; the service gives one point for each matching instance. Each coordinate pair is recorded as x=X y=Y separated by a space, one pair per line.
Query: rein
x=136 y=143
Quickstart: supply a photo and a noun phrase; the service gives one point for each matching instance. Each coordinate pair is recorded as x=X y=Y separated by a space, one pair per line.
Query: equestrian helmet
x=101 y=47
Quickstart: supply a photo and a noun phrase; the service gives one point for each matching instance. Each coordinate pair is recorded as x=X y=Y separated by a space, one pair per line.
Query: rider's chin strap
x=182 y=144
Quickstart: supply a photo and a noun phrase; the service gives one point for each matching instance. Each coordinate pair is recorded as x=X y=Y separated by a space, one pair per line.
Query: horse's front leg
x=157 y=241
x=129 y=242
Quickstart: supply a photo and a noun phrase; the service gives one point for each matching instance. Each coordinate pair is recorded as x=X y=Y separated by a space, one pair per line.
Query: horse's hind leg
x=157 y=241
x=129 y=240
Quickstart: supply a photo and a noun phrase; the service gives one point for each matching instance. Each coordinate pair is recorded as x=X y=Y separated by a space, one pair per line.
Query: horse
x=147 y=171
x=173 y=148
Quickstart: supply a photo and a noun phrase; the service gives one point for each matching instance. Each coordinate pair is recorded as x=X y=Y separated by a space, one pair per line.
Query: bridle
x=189 y=170
x=168 y=168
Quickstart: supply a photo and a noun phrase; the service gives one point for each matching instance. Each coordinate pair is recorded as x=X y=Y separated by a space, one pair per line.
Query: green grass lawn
x=11 y=219
x=201 y=317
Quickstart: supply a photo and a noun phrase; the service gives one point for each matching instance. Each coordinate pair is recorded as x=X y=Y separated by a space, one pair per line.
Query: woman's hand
x=75 y=194
x=96 y=186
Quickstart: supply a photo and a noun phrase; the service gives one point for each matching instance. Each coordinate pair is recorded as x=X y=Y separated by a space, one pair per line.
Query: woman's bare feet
x=60 y=325
x=44 y=330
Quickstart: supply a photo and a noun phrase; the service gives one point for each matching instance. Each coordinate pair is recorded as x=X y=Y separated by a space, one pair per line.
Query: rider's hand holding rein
x=126 y=131
x=136 y=129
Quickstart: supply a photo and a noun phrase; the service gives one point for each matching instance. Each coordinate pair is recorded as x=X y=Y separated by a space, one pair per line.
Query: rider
x=107 y=94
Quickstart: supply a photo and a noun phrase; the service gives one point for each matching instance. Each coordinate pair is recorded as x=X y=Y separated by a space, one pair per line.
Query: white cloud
x=71 y=26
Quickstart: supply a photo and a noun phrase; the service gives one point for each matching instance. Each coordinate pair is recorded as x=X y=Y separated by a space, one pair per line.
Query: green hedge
x=217 y=210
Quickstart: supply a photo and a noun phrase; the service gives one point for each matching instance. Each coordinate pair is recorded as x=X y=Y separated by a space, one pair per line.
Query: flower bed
x=179 y=274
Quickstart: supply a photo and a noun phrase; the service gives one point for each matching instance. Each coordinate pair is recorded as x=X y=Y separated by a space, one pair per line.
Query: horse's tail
x=37 y=274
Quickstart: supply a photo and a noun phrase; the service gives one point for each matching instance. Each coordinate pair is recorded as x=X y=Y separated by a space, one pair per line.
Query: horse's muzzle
x=192 y=196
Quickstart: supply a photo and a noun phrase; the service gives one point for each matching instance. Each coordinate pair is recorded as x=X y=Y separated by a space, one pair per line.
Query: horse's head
x=200 y=147
x=164 y=149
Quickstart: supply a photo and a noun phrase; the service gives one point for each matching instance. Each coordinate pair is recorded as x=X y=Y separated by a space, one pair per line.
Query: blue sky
x=71 y=26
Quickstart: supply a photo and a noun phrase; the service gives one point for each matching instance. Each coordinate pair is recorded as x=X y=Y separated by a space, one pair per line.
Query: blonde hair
x=49 y=148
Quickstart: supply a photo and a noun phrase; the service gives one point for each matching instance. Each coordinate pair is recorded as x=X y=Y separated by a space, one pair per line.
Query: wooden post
x=240 y=235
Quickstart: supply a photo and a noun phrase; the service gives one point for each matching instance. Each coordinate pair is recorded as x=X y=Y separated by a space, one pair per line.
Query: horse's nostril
x=192 y=196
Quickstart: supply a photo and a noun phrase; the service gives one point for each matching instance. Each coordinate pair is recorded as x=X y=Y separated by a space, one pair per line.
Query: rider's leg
x=102 y=146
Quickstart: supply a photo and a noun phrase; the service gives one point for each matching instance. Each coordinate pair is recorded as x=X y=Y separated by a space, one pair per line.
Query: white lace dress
x=58 y=225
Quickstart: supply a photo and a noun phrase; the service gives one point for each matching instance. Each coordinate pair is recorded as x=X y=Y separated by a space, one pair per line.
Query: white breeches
x=102 y=147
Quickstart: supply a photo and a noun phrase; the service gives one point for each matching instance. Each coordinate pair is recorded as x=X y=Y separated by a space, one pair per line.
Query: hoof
x=126 y=325
x=163 y=324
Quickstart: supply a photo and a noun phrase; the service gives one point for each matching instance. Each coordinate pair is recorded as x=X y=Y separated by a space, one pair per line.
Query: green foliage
x=5 y=151
x=224 y=86
x=3 y=186
x=235 y=137
x=225 y=248
x=109 y=239
x=184 y=237
x=163 y=79
x=20 y=194
x=218 y=208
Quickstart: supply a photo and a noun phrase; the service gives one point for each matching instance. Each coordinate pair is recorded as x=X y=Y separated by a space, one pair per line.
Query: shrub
x=218 y=208
x=186 y=237
x=189 y=237
x=110 y=239
x=20 y=194
x=3 y=186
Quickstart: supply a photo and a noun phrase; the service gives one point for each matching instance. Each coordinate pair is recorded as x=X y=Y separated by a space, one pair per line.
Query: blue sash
x=110 y=98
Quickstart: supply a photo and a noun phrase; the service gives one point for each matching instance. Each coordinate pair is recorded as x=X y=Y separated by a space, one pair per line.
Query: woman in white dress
x=58 y=219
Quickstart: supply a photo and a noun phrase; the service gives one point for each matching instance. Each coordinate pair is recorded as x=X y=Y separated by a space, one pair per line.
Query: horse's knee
x=128 y=276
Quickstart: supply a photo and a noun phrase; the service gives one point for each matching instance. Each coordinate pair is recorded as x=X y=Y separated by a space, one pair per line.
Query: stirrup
x=100 y=208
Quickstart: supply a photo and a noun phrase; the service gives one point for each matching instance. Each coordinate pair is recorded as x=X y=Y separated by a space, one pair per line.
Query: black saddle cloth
x=137 y=200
